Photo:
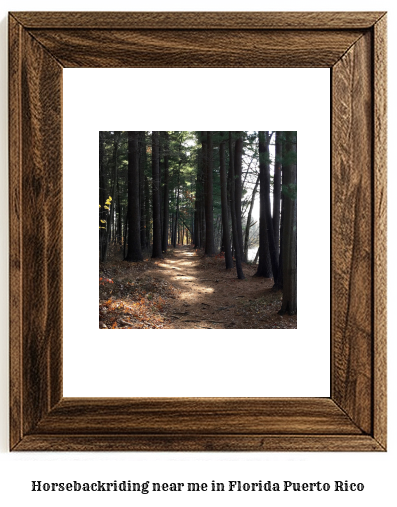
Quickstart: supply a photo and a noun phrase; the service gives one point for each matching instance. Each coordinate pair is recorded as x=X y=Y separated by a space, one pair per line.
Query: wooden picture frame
x=353 y=46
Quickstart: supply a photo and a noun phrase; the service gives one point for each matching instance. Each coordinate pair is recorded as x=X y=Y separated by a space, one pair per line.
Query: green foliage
x=184 y=152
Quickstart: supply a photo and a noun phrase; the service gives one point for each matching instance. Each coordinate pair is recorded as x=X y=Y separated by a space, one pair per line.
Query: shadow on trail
x=187 y=290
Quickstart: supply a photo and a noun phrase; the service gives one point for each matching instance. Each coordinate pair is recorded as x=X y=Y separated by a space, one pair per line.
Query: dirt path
x=195 y=292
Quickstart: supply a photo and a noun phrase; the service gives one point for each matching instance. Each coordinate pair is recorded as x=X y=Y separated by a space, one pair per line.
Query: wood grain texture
x=354 y=45
x=380 y=229
x=196 y=48
x=41 y=89
x=301 y=416
x=199 y=20
x=199 y=443
x=37 y=183
x=352 y=233
x=15 y=229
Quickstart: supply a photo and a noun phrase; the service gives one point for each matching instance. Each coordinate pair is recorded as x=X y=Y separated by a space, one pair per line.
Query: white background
x=376 y=470
x=235 y=362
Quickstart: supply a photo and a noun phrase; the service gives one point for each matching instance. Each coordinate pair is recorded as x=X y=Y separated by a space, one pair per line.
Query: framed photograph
x=353 y=46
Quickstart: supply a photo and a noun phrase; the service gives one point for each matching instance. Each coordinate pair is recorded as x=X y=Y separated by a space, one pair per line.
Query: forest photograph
x=198 y=230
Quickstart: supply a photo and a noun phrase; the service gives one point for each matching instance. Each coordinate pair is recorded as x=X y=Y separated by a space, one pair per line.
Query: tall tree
x=225 y=214
x=238 y=157
x=237 y=250
x=119 y=214
x=142 y=176
x=166 y=193
x=207 y=146
x=134 y=233
x=289 y=232
x=176 y=235
x=157 y=251
x=201 y=190
x=176 y=219
x=269 y=220
x=265 y=264
x=277 y=190
x=147 y=213
x=196 y=234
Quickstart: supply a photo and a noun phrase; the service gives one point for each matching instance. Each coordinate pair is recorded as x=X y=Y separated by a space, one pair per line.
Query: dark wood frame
x=353 y=45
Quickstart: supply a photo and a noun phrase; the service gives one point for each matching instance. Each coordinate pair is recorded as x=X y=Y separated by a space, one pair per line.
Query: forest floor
x=186 y=290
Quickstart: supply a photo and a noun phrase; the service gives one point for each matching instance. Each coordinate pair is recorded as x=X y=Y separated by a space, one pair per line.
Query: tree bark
x=147 y=214
x=238 y=191
x=119 y=215
x=277 y=191
x=289 y=234
x=134 y=231
x=142 y=200
x=202 y=201
x=269 y=221
x=225 y=214
x=265 y=264
x=176 y=222
x=209 y=215
x=157 y=252
x=198 y=204
x=237 y=250
x=166 y=192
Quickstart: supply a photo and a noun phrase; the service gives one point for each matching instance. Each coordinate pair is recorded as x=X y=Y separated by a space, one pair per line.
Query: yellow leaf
x=110 y=198
x=106 y=207
x=103 y=221
x=99 y=205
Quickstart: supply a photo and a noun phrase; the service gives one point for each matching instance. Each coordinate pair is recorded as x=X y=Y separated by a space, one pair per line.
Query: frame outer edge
x=203 y=20
x=380 y=230
x=15 y=230
x=16 y=321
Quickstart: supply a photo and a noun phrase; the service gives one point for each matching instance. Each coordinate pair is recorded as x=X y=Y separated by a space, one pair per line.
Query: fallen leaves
x=155 y=295
x=102 y=281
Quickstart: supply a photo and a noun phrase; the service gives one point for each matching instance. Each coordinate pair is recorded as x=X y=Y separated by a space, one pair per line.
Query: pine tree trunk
x=277 y=191
x=125 y=236
x=196 y=235
x=166 y=192
x=209 y=215
x=142 y=201
x=157 y=252
x=134 y=233
x=238 y=191
x=269 y=221
x=198 y=204
x=147 y=214
x=265 y=264
x=119 y=228
x=225 y=215
x=176 y=233
x=202 y=180
x=237 y=250
x=289 y=237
